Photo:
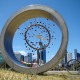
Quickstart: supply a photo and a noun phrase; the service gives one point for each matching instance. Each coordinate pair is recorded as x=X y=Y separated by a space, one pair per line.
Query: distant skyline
x=69 y=10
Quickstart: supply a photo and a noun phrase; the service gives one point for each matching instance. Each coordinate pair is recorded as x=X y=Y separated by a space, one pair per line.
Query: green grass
x=12 y=75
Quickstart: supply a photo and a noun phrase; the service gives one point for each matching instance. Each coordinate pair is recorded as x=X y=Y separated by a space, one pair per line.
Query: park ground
x=12 y=75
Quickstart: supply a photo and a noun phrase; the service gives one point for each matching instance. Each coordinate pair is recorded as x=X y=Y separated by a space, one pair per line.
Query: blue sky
x=69 y=9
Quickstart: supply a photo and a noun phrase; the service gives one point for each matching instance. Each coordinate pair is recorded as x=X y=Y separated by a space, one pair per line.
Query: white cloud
x=23 y=53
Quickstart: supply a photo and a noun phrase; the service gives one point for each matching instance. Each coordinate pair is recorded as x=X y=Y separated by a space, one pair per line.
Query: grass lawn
x=12 y=75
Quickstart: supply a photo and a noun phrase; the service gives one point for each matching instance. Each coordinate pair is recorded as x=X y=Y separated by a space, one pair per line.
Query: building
x=43 y=56
x=17 y=55
x=22 y=58
x=64 y=60
x=77 y=55
x=69 y=56
x=26 y=59
x=29 y=57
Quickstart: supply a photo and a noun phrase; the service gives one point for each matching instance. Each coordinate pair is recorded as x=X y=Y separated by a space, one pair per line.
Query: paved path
x=73 y=73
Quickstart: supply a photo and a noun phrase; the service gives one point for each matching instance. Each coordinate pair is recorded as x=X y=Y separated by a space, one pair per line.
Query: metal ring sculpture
x=73 y=65
x=15 y=21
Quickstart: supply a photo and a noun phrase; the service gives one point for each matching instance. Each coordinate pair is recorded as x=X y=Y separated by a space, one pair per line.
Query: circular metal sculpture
x=16 y=20
x=73 y=65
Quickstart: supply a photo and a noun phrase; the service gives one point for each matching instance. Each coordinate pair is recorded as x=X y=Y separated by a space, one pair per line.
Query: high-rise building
x=43 y=55
x=18 y=55
x=22 y=58
x=69 y=56
x=77 y=55
x=26 y=59
x=30 y=57
x=64 y=60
